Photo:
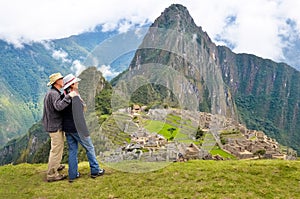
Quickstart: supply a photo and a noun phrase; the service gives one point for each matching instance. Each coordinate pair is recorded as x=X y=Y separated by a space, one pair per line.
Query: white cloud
x=61 y=55
x=48 y=19
x=124 y=26
x=77 y=67
x=107 y=72
x=58 y=54
x=256 y=25
x=256 y=30
x=48 y=45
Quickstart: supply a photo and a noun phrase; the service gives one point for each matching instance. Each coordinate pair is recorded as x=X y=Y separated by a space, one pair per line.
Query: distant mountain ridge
x=24 y=74
x=34 y=146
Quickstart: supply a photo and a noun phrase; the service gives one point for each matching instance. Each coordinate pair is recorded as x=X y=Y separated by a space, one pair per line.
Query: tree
x=199 y=133
x=171 y=130
x=260 y=153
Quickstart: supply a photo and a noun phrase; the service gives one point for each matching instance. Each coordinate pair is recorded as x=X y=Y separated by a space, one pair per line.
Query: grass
x=192 y=179
x=161 y=128
x=217 y=151
x=135 y=166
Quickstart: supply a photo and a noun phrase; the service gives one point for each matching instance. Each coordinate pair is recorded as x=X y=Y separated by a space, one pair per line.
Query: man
x=52 y=121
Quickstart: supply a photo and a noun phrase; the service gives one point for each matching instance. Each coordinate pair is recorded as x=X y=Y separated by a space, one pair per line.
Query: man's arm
x=59 y=104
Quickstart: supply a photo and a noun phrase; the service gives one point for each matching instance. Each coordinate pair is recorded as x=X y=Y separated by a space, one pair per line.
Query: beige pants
x=56 y=151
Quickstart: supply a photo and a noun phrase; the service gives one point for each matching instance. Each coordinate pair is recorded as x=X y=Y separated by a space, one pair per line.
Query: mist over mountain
x=292 y=54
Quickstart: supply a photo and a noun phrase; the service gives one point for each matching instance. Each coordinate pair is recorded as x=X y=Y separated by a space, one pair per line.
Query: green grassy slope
x=193 y=179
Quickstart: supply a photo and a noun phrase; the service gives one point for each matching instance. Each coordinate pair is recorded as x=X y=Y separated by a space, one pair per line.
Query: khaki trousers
x=56 y=151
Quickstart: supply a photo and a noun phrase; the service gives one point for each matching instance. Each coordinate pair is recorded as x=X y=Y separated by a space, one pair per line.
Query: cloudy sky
x=260 y=27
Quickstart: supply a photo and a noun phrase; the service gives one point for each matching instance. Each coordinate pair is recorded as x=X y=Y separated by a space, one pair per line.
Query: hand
x=72 y=94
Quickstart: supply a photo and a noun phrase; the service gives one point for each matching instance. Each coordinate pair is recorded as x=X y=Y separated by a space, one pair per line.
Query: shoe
x=56 y=178
x=61 y=167
x=72 y=180
x=100 y=173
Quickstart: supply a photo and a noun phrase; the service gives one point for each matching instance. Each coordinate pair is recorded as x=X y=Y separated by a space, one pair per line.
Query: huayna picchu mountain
x=180 y=56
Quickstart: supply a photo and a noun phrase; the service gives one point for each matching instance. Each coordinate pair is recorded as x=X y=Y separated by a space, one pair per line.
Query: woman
x=74 y=126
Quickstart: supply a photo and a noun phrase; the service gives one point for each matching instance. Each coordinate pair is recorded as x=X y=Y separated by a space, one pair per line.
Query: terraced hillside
x=132 y=136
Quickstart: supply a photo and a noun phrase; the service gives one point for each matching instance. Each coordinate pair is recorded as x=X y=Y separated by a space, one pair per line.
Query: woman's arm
x=79 y=120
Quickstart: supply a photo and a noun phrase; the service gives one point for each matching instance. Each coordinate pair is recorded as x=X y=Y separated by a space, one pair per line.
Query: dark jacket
x=73 y=118
x=53 y=104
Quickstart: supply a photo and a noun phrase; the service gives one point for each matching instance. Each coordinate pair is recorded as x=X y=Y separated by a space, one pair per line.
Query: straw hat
x=69 y=80
x=54 y=77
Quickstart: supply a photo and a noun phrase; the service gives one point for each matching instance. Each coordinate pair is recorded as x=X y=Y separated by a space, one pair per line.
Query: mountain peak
x=175 y=17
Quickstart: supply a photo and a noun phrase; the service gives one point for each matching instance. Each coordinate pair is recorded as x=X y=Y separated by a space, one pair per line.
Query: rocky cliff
x=266 y=94
x=178 y=55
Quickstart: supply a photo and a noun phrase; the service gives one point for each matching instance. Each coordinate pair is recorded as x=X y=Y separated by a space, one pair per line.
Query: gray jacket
x=53 y=103
x=78 y=115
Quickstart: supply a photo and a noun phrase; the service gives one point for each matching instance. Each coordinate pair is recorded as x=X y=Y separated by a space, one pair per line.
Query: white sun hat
x=69 y=80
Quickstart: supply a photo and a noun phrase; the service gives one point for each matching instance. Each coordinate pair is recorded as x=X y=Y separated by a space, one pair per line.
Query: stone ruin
x=151 y=147
x=253 y=142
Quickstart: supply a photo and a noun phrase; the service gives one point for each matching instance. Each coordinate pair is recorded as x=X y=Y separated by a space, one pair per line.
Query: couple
x=64 y=114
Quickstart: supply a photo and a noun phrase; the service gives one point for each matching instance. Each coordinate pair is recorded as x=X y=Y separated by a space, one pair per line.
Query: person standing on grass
x=52 y=122
x=77 y=132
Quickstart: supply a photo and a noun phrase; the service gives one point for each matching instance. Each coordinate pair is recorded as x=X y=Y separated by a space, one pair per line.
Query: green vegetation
x=199 y=133
x=154 y=96
x=136 y=166
x=161 y=128
x=205 y=105
x=209 y=142
x=229 y=134
x=103 y=101
x=192 y=179
x=260 y=152
x=217 y=151
x=266 y=100
x=23 y=85
x=174 y=128
x=20 y=149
